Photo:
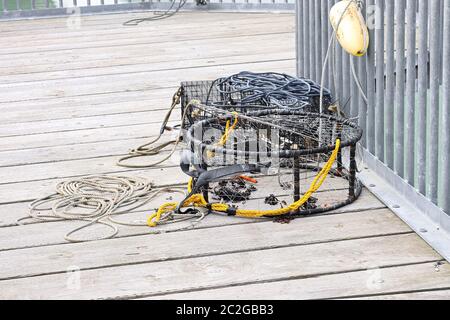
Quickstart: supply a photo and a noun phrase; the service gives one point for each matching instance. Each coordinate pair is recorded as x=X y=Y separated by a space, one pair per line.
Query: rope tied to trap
x=199 y=201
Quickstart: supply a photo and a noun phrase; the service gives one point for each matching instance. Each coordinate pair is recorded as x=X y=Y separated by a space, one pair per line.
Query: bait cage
x=271 y=163
x=249 y=92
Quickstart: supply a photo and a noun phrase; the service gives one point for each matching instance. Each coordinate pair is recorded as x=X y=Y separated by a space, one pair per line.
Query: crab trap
x=249 y=92
x=269 y=163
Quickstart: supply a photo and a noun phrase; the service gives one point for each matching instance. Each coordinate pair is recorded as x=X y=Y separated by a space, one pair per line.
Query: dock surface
x=78 y=93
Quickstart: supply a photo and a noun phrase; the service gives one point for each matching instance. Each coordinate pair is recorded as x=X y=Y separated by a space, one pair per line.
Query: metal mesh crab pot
x=249 y=92
x=272 y=163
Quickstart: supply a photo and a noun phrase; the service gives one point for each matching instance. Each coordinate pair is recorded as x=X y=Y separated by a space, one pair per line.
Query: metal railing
x=32 y=8
x=406 y=77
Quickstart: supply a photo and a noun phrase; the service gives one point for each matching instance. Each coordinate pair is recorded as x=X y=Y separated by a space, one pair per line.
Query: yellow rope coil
x=199 y=201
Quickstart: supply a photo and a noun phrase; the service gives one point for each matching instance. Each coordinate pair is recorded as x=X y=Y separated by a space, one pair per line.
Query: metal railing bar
x=300 y=41
x=422 y=97
x=410 y=92
x=307 y=65
x=370 y=69
x=435 y=58
x=312 y=46
x=399 y=158
x=379 y=106
x=390 y=84
x=329 y=3
x=362 y=110
x=446 y=109
x=318 y=38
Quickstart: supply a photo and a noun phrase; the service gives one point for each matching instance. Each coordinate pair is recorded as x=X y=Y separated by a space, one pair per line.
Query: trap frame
x=269 y=163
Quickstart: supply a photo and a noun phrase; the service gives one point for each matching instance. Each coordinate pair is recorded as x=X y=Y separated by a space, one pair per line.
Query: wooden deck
x=73 y=100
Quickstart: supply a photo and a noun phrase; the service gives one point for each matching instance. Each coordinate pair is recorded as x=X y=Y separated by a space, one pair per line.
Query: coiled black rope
x=270 y=89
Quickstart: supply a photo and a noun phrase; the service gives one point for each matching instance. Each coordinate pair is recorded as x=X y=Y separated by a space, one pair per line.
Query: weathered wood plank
x=54 y=230
x=122 y=37
x=87 y=105
x=71 y=152
x=226 y=270
x=189 y=47
x=60 y=110
x=26 y=74
x=9 y=213
x=227 y=239
x=47 y=26
x=136 y=81
x=148 y=29
x=152 y=118
x=360 y=283
x=80 y=136
x=426 y=295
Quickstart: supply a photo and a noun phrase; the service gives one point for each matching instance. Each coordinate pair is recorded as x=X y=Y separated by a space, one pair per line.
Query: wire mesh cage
x=271 y=163
x=249 y=92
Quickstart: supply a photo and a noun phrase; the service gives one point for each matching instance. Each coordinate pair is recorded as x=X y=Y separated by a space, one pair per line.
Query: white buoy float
x=350 y=27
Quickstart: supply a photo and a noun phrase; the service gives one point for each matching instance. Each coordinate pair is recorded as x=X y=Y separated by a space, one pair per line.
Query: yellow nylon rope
x=226 y=134
x=199 y=201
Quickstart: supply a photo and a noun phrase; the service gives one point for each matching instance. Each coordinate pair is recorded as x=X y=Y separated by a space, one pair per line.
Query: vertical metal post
x=299 y=43
x=312 y=47
x=435 y=72
x=306 y=47
x=379 y=107
x=370 y=68
x=446 y=109
x=362 y=110
x=390 y=85
x=410 y=92
x=330 y=57
x=399 y=143
x=318 y=39
x=324 y=40
x=422 y=97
